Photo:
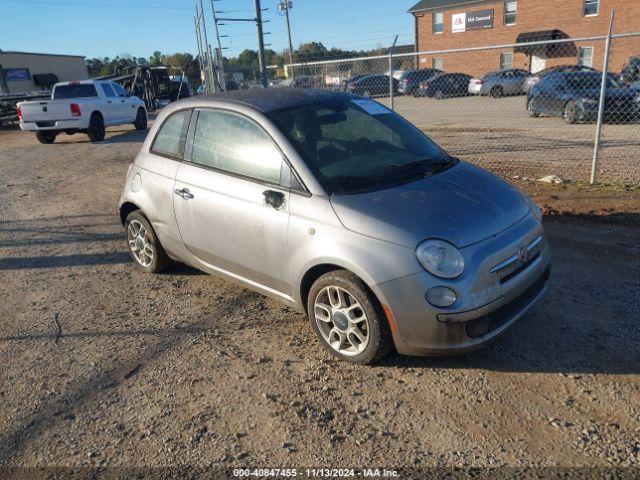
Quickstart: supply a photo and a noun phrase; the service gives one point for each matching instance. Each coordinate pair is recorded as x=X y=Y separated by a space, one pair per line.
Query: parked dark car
x=409 y=83
x=445 y=85
x=500 y=83
x=631 y=70
x=345 y=82
x=533 y=79
x=575 y=96
x=370 y=85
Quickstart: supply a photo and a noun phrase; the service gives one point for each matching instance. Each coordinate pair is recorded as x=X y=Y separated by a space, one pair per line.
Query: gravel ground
x=105 y=366
x=499 y=135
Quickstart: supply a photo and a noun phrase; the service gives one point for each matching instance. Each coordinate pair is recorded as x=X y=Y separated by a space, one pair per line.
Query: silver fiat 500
x=337 y=206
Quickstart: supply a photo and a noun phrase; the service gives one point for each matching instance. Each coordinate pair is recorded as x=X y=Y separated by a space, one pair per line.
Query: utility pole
x=285 y=6
x=263 y=68
x=258 y=21
x=220 y=62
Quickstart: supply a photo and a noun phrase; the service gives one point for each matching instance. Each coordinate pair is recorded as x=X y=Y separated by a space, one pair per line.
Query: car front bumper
x=487 y=304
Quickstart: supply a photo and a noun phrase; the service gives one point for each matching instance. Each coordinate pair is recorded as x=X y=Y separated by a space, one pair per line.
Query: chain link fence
x=542 y=111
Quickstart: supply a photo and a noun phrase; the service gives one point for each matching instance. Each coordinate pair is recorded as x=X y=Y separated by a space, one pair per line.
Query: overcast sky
x=138 y=27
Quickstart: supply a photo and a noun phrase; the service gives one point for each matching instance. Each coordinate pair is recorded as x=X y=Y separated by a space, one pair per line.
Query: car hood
x=463 y=205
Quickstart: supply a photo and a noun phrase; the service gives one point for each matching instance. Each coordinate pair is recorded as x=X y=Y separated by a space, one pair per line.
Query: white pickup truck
x=82 y=107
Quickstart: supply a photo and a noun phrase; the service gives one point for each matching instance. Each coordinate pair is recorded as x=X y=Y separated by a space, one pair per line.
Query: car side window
x=233 y=143
x=121 y=92
x=170 y=139
x=108 y=91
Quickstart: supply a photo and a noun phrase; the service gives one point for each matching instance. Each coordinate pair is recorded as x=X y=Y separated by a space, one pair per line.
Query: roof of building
x=2 y=52
x=271 y=99
x=423 y=5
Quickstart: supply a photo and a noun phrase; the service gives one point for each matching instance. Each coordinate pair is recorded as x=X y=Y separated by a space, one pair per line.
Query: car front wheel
x=571 y=112
x=531 y=108
x=144 y=247
x=348 y=319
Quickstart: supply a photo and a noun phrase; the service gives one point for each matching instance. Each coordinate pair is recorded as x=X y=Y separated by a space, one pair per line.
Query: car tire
x=570 y=113
x=497 y=92
x=96 y=130
x=415 y=92
x=439 y=95
x=366 y=93
x=531 y=109
x=141 y=120
x=143 y=244
x=361 y=333
x=46 y=137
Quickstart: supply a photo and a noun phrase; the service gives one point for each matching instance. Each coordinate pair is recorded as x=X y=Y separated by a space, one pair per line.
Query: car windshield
x=589 y=81
x=354 y=145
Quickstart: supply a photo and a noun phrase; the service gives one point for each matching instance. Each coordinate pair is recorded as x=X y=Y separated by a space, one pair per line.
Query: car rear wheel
x=96 y=130
x=141 y=120
x=348 y=319
x=46 y=137
x=497 y=92
x=571 y=112
x=144 y=247
x=439 y=95
x=531 y=108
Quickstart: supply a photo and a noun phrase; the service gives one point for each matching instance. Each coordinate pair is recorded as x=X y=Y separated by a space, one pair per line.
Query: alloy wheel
x=140 y=243
x=341 y=320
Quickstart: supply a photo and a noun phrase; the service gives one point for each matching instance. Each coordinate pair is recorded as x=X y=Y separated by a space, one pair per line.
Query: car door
x=231 y=211
x=111 y=112
x=128 y=104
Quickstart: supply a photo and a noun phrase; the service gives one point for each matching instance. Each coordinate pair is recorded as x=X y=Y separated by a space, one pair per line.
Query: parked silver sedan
x=337 y=206
x=500 y=83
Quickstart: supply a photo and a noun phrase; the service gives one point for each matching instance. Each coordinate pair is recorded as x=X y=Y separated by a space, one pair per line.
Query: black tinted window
x=171 y=136
x=356 y=145
x=74 y=91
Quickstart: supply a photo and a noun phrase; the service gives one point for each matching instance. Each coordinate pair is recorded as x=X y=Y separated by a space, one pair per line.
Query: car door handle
x=183 y=192
x=273 y=198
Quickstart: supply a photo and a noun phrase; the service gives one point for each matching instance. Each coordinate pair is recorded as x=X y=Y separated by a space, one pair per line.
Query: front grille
x=494 y=320
x=513 y=265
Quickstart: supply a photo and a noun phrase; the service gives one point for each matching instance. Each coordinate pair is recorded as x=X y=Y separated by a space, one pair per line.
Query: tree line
x=246 y=61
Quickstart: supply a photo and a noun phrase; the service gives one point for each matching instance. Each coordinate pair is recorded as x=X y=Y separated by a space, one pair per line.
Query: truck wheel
x=141 y=120
x=348 y=319
x=46 y=137
x=96 y=128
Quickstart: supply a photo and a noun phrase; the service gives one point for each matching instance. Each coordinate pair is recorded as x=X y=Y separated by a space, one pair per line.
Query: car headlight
x=534 y=209
x=440 y=258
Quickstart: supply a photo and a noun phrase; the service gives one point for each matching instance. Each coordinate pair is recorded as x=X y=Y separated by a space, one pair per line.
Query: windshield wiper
x=420 y=168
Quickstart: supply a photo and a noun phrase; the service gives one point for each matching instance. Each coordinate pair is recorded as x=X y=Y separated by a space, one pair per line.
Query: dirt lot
x=102 y=365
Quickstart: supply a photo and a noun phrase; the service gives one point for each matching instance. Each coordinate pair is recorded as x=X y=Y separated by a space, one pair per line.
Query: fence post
x=391 y=72
x=603 y=95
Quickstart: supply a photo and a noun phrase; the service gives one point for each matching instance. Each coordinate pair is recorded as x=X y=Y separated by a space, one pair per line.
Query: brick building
x=454 y=24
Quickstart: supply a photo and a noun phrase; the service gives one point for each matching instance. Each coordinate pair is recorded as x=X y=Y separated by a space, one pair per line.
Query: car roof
x=271 y=99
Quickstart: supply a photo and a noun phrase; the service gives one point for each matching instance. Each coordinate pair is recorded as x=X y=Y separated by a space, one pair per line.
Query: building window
x=591 y=7
x=510 y=10
x=437 y=63
x=438 y=19
x=506 y=61
x=585 y=56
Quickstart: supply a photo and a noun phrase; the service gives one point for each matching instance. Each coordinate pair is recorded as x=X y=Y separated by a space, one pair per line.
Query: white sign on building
x=458 y=22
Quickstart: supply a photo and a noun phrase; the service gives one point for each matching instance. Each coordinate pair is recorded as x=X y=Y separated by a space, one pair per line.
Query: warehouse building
x=457 y=24
x=22 y=72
